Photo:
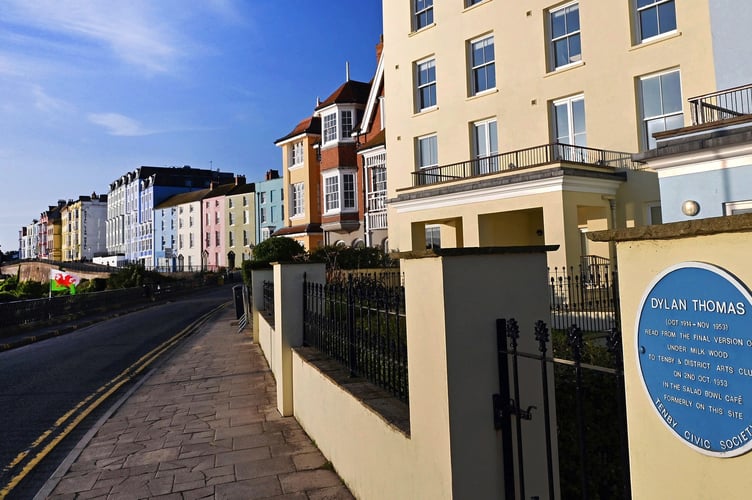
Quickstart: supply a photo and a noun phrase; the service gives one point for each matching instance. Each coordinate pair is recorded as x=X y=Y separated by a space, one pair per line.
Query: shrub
x=278 y=249
x=341 y=257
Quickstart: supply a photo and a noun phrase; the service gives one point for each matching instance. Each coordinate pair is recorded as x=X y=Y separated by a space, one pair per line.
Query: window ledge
x=482 y=94
x=295 y=167
x=426 y=111
x=563 y=69
x=421 y=30
x=297 y=216
x=656 y=39
x=475 y=6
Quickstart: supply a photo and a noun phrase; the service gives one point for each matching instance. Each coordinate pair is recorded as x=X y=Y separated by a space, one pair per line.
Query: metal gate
x=580 y=380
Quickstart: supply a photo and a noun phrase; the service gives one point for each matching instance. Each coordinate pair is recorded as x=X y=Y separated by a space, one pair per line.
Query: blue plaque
x=694 y=349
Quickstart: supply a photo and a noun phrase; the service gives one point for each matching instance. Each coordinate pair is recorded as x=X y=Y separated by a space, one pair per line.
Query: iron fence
x=526 y=158
x=587 y=297
x=722 y=105
x=267 y=295
x=590 y=413
x=360 y=322
x=23 y=313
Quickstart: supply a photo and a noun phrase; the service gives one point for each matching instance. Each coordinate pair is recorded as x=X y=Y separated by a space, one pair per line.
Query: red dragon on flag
x=62 y=280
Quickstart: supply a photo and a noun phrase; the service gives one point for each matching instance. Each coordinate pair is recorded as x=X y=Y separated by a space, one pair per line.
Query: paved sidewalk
x=204 y=425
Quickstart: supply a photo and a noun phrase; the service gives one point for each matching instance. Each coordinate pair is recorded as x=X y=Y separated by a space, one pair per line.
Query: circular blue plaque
x=694 y=350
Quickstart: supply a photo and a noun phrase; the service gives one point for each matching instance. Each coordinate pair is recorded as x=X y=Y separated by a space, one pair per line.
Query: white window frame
x=569 y=35
x=331 y=193
x=428 y=85
x=262 y=197
x=347 y=121
x=297 y=200
x=571 y=135
x=335 y=186
x=486 y=132
x=737 y=207
x=296 y=154
x=422 y=14
x=654 y=5
x=648 y=140
x=486 y=66
x=329 y=128
x=433 y=234
x=421 y=143
x=262 y=215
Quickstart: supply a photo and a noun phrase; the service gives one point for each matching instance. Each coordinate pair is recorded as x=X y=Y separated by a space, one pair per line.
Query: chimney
x=379 y=48
x=272 y=174
x=240 y=180
x=347 y=71
x=212 y=185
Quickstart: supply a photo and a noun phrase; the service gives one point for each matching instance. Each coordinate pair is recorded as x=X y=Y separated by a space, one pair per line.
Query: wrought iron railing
x=587 y=298
x=526 y=158
x=721 y=105
x=360 y=322
x=268 y=299
x=586 y=408
x=23 y=313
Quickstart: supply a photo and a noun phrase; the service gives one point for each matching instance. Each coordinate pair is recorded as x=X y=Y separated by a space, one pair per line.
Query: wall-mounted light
x=690 y=208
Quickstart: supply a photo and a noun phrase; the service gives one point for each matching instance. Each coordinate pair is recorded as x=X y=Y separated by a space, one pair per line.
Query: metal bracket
x=502 y=411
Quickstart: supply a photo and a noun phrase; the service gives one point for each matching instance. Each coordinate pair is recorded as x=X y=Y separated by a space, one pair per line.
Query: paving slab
x=204 y=425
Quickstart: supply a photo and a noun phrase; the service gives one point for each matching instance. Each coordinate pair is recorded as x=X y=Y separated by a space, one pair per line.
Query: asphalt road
x=46 y=386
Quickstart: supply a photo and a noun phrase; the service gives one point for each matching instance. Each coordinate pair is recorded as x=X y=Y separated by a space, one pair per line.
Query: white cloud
x=135 y=31
x=120 y=125
x=46 y=103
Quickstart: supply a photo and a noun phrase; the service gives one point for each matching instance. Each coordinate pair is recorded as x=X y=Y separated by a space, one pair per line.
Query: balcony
x=527 y=158
x=721 y=105
x=376 y=209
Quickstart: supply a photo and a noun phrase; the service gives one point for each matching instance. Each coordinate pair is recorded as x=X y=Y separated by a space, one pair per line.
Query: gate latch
x=502 y=411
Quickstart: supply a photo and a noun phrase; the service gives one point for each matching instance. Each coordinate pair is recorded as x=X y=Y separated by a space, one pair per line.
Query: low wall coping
x=673 y=230
x=452 y=252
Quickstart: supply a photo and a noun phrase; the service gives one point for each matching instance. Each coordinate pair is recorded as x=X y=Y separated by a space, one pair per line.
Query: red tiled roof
x=350 y=92
x=303 y=228
x=377 y=140
x=311 y=125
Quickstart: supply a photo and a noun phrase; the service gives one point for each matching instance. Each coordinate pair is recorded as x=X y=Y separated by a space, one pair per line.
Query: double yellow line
x=81 y=410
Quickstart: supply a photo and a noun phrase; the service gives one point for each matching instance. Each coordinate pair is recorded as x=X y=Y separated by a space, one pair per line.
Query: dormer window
x=347 y=123
x=338 y=125
x=330 y=127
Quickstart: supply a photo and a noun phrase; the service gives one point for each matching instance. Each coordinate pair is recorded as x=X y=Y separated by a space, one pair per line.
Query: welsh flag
x=63 y=280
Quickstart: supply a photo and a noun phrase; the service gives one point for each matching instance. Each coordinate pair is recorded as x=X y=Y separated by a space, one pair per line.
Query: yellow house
x=513 y=123
x=301 y=174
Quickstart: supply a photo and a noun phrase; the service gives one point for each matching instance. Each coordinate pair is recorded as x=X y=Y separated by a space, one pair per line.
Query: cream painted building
x=83 y=227
x=513 y=123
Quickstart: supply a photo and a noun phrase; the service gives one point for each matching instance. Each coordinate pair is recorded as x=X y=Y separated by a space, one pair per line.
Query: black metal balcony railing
x=526 y=158
x=721 y=105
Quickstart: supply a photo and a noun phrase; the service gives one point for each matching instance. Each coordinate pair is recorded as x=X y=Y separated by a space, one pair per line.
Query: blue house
x=270 y=205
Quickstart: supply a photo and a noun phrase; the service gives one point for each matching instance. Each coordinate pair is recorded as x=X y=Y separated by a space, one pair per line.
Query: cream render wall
x=607 y=76
x=559 y=207
x=691 y=475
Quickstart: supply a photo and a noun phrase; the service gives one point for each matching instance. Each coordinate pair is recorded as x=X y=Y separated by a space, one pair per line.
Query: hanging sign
x=694 y=349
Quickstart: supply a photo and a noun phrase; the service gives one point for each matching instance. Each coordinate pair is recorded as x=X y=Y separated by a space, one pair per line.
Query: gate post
x=288 y=323
x=453 y=299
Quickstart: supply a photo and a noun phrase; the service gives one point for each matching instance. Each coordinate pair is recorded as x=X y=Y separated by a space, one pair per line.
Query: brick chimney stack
x=379 y=48
x=271 y=174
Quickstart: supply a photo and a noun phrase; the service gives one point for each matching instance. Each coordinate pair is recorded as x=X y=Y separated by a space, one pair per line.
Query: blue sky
x=92 y=89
